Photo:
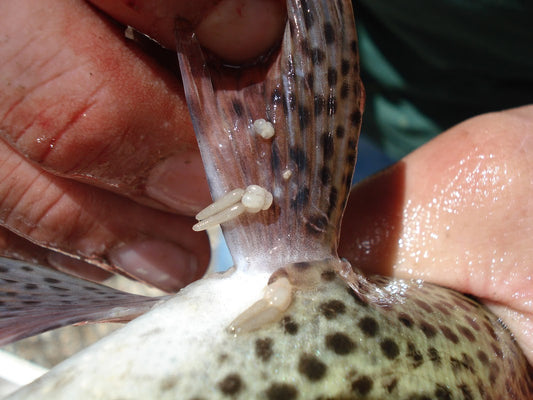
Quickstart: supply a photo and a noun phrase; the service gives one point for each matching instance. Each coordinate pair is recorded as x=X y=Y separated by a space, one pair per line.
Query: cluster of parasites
x=252 y=199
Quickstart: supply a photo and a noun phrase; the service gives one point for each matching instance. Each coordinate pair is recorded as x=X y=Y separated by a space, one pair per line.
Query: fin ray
x=35 y=299
x=311 y=92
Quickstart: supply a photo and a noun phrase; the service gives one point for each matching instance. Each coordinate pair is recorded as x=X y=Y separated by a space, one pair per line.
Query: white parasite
x=276 y=299
x=252 y=200
x=129 y=33
x=263 y=128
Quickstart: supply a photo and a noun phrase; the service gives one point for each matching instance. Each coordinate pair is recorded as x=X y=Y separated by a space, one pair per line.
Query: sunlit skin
x=87 y=106
x=456 y=212
x=99 y=160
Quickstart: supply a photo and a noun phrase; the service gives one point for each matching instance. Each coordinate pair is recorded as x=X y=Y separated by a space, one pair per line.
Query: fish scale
x=342 y=335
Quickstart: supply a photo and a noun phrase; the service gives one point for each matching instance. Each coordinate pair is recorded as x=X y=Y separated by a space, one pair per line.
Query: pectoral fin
x=35 y=299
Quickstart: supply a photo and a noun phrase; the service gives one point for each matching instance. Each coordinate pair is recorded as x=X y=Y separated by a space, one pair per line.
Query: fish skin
x=310 y=90
x=420 y=342
x=346 y=337
x=35 y=299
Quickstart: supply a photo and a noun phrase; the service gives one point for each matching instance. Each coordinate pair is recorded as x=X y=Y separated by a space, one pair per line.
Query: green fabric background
x=429 y=64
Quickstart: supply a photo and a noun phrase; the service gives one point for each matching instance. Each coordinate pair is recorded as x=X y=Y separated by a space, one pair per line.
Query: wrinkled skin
x=77 y=98
x=83 y=109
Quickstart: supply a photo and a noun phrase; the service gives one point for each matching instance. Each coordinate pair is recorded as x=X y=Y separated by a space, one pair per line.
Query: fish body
x=337 y=334
x=421 y=342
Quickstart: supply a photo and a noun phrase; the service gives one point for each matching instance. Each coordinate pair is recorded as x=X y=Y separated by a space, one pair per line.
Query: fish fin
x=310 y=91
x=35 y=299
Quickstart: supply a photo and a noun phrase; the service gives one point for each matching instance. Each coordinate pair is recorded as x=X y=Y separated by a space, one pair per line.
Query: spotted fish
x=292 y=321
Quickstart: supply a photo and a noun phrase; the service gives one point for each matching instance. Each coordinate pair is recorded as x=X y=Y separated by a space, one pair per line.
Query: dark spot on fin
x=369 y=326
x=29 y=303
x=329 y=33
x=275 y=159
x=308 y=15
x=318 y=56
x=332 y=76
x=390 y=348
x=298 y=156
x=319 y=104
x=325 y=176
x=238 y=108
x=303 y=116
x=302 y=266
x=327 y=143
x=301 y=200
x=317 y=224
x=328 y=275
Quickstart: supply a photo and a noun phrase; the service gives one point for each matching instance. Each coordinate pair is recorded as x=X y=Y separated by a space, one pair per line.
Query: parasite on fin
x=263 y=128
x=224 y=202
x=35 y=299
x=372 y=338
x=252 y=200
x=310 y=92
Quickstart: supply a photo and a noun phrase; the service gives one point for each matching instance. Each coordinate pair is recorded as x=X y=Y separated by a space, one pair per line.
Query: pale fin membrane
x=311 y=92
x=35 y=299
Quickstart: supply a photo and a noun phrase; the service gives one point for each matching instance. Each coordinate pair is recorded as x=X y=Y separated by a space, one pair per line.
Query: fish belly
x=329 y=344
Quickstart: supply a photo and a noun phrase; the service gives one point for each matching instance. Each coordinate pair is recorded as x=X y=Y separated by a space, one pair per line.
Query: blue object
x=370 y=159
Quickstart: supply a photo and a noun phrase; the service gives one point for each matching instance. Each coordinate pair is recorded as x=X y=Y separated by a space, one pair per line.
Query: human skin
x=76 y=94
x=99 y=158
x=457 y=212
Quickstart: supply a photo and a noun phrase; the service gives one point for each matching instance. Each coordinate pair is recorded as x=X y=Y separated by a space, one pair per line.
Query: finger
x=456 y=212
x=98 y=227
x=82 y=103
x=236 y=30
x=14 y=246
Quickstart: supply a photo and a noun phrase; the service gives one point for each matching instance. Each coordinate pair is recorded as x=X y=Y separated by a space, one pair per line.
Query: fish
x=291 y=320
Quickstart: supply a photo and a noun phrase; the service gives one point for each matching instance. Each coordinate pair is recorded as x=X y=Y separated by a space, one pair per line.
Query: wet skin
x=83 y=84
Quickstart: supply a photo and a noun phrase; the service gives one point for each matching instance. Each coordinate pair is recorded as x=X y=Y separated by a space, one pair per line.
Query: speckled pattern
x=341 y=338
x=398 y=340
x=332 y=344
x=34 y=299
x=391 y=339
x=310 y=90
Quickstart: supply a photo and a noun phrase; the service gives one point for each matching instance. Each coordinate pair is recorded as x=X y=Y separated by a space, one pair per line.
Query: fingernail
x=241 y=31
x=179 y=183
x=79 y=268
x=159 y=263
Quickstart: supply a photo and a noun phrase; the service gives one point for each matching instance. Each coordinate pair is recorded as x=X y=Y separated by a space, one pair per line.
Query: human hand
x=456 y=212
x=99 y=159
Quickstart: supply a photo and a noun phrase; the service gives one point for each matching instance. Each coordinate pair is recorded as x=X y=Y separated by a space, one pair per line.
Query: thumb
x=235 y=30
